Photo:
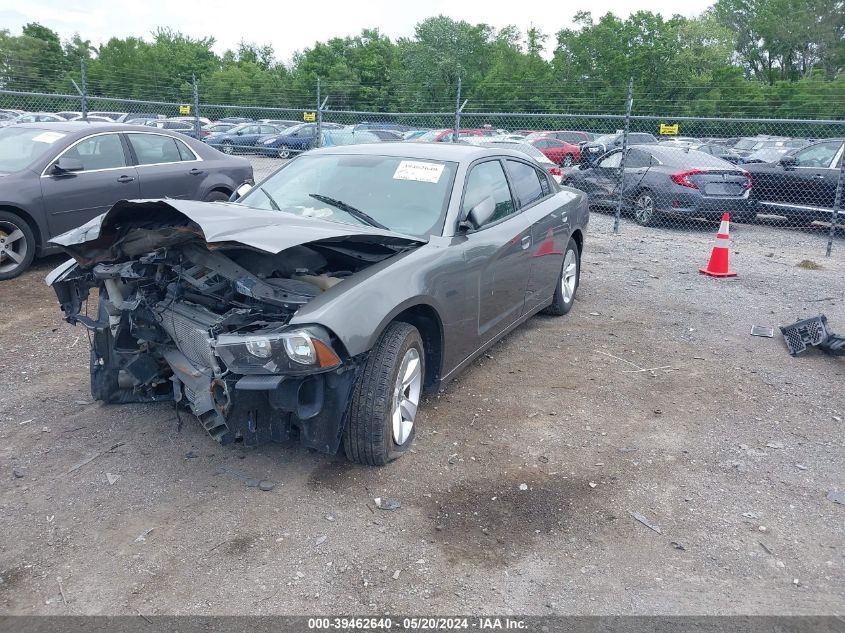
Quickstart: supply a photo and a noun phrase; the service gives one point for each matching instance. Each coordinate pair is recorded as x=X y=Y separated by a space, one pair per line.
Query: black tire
x=216 y=196
x=560 y=303
x=368 y=437
x=645 y=208
x=567 y=160
x=17 y=253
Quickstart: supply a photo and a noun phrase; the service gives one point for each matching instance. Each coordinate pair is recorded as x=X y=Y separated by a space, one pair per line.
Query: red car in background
x=445 y=135
x=557 y=151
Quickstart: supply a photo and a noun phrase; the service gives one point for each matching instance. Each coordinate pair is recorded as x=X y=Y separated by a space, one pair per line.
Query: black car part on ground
x=170 y=304
x=812 y=332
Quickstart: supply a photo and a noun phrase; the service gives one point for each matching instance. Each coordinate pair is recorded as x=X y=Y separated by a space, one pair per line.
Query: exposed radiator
x=189 y=327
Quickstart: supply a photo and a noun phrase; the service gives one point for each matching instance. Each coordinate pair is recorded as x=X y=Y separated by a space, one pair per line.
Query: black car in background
x=661 y=181
x=57 y=176
x=801 y=186
x=603 y=144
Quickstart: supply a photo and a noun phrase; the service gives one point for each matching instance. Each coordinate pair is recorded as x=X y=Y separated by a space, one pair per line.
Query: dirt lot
x=519 y=493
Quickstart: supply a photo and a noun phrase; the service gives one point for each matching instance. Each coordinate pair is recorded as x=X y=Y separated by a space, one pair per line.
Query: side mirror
x=481 y=213
x=788 y=162
x=66 y=165
x=240 y=192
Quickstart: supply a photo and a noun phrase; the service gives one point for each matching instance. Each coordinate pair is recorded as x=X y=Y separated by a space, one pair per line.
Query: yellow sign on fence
x=309 y=116
x=184 y=109
x=668 y=129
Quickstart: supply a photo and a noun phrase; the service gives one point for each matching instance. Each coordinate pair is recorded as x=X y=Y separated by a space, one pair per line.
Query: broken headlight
x=300 y=351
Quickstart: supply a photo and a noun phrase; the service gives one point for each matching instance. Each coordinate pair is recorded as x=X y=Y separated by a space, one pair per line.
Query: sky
x=294 y=25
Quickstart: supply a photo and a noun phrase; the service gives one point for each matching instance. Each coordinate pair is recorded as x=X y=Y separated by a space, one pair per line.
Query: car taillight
x=681 y=178
x=555 y=171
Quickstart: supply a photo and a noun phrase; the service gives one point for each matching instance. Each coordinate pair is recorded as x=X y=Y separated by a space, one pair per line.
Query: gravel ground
x=520 y=493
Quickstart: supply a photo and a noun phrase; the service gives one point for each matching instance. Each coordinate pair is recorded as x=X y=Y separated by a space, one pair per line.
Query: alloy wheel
x=569 y=277
x=406 y=396
x=644 y=208
x=13 y=247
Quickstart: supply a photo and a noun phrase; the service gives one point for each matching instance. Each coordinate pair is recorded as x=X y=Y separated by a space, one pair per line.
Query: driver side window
x=820 y=155
x=488 y=180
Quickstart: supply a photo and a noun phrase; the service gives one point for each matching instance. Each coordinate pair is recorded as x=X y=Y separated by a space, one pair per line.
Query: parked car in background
x=335 y=138
x=242 y=138
x=293 y=140
x=719 y=151
x=660 y=181
x=559 y=152
x=445 y=134
x=141 y=121
x=216 y=128
x=687 y=140
x=387 y=136
x=129 y=116
x=34 y=117
x=398 y=127
x=322 y=291
x=801 y=186
x=114 y=116
x=57 y=176
x=234 y=119
x=280 y=123
x=183 y=127
x=93 y=118
x=67 y=115
x=570 y=136
x=203 y=120
x=603 y=144
x=11 y=113
x=412 y=135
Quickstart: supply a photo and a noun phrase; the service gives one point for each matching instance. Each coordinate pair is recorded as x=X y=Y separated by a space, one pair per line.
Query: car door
x=167 y=167
x=602 y=179
x=549 y=225
x=827 y=188
x=247 y=136
x=73 y=198
x=497 y=254
x=818 y=170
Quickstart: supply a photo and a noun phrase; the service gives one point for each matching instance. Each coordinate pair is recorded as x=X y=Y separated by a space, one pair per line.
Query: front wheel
x=228 y=148
x=284 y=152
x=17 y=245
x=381 y=422
x=567 y=284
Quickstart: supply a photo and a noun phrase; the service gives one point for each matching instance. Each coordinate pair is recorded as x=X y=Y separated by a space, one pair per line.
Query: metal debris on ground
x=387 y=504
x=142 y=537
x=266 y=485
x=678 y=546
x=641 y=518
x=812 y=332
x=767 y=331
x=836 y=497
x=112 y=479
x=76 y=467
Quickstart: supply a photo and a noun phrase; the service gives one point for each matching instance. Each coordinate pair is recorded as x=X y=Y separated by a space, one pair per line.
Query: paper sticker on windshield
x=48 y=137
x=421 y=172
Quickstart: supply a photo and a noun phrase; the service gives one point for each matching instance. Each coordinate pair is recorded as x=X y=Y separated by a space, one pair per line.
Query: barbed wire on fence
x=657 y=165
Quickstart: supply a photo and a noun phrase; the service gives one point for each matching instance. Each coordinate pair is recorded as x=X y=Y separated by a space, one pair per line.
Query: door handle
x=526 y=241
x=195 y=172
x=125 y=178
x=818 y=177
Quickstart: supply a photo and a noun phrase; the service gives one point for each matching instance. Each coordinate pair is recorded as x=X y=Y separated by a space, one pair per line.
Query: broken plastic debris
x=651 y=526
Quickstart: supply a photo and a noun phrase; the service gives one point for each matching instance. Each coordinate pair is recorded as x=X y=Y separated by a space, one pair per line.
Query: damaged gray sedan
x=320 y=305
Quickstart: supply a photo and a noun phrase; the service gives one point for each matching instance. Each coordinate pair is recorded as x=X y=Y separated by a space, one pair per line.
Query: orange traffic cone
x=718 y=265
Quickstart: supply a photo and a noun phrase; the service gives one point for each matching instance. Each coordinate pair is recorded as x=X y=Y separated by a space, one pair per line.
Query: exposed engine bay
x=206 y=325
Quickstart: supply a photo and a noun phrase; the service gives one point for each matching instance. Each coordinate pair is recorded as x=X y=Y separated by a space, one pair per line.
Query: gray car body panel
x=462 y=276
x=21 y=192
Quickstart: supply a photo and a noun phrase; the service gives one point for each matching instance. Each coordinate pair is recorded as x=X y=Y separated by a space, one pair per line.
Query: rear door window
x=151 y=149
x=526 y=182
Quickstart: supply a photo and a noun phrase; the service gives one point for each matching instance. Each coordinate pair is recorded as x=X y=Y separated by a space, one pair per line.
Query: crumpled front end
x=206 y=325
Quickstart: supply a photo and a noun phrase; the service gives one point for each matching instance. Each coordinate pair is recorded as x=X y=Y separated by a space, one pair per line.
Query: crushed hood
x=219 y=223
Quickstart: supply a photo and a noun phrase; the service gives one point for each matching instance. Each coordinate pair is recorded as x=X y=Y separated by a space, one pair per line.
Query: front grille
x=189 y=327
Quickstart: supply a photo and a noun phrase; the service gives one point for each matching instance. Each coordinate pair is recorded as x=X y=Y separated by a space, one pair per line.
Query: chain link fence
x=667 y=172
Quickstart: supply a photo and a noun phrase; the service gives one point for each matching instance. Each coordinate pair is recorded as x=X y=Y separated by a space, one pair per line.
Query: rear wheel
x=17 y=245
x=567 y=285
x=284 y=151
x=645 y=213
x=228 y=148
x=381 y=422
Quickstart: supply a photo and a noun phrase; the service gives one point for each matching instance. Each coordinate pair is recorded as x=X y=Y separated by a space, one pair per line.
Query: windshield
x=746 y=143
x=429 y=136
x=405 y=195
x=20 y=147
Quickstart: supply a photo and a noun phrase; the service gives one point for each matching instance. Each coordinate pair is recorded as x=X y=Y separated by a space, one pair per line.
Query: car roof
x=456 y=152
x=81 y=128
